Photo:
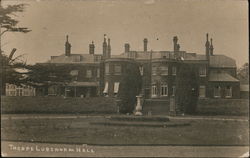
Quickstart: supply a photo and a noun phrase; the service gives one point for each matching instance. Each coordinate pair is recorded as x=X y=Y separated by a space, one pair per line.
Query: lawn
x=82 y=131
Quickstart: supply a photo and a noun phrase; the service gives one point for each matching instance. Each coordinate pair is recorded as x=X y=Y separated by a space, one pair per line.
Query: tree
x=187 y=89
x=9 y=64
x=8 y=23
x=45 y=75
x=130 y=87
x=243 y=73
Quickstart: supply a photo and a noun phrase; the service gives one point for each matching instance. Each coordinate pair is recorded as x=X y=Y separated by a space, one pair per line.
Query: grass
x=80 y=130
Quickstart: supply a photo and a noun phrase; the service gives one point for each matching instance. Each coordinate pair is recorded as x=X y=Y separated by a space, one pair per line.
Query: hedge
x=57 y=105
x=223 y=107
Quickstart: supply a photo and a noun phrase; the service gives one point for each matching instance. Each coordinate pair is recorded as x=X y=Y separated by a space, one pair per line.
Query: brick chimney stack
x=92 y=48
x=176 y=46
x=211 y=48
x=109 y=49
x=67 y=46
x=207 y=45
x=104 y=47
x=145 y=42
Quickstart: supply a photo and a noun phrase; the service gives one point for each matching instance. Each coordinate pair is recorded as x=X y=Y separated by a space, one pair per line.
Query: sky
x=129 y=21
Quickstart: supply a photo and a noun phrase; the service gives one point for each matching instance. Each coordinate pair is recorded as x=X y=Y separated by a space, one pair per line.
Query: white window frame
x=88 y=73
x=19 y=91
x=202 y=88
x=174 y=70
x=164 y=70
x=230 y=92
x=164 y=90
x=219 y=91
x=74 y=72
x=203 y=71
x=154 y=90
x=141 y=70
x=173 y=90
x=98 y=72
x=154 y=70
x=107 y=68
x=117 y=67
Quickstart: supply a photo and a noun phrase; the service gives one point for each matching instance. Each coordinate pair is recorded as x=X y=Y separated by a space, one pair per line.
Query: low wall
x=98 y=105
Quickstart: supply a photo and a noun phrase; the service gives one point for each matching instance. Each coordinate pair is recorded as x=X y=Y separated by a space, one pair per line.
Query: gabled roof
x=221 y=77
x=222 y=61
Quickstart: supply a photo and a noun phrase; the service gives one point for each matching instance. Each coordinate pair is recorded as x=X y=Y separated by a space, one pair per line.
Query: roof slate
x=221 y=77
x=222 y=61
x=74 y=58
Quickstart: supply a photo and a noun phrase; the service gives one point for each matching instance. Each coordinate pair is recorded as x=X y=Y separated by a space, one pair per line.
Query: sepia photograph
x=124 y=78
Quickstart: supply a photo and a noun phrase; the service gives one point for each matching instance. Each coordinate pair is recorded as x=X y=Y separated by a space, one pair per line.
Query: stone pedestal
x=138 y=108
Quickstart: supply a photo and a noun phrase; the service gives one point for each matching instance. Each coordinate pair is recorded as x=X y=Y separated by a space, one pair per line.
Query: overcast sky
x=129 y=21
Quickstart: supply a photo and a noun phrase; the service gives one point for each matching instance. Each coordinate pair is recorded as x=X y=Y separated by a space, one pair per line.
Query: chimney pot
x=127 y=47
x=175 y=40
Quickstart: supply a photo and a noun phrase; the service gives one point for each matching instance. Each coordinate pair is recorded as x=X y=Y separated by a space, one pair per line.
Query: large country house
x=100 y=74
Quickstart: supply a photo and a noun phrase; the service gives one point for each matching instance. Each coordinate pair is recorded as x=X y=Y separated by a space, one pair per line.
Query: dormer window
x=97 y=58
